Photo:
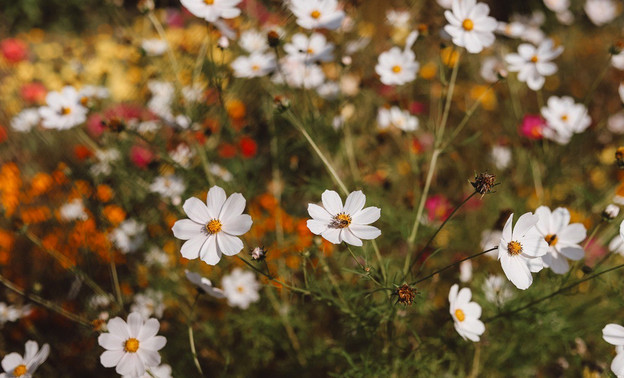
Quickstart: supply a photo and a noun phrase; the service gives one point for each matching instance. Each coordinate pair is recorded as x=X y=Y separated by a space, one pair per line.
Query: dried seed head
x=406 y=294
x=619 y=157
x=483 y=183
x=258 y=253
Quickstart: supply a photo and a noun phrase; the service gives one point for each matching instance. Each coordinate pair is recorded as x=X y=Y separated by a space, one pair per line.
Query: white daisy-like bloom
x=240 y=288
x=501 y=155
x=489 y=240
x=163 y=94
x=161 y=371
x=25 y=120
x=349 y=223
x=329 y=90
x=601 y=12
x=317 y=14
x=131 y=347
x=9 y=313
x=73 y=210
x=617 y=61
x=398 y=118
x=398 y=18
x=616 y=245
x=520 y=250
x=221 y=172
x=105 y=159
x=253 y=41
x=204 y=284
x=465 y=314
x=497 y=290
x=154 y=46
x=255 y=65
x=148 y=304
x=298 y=74
x=169 y=187
x=491 y=68
x=512 y=29
x=562 y=237
x=15 y=365
x=557 y=6
x=157 y=257
x=470 y=26
x=533 y=64
x=310 y=49
x=396 y=66
x=465 y=271
x=129 y=236
x=615 y=123
x=614 y=335
x=212 y=10
x=182 y=155
x=213 y=227
x=99 y=301
x=63 y=110
x=564 y=118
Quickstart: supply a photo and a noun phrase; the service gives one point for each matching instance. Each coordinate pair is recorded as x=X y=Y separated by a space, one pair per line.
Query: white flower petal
x=11 y=361
x=135 y=322
x=209 y=253
x=130 y=364
x=238 y=225
x=196 y=210
x=111 y=358
x=523 y=225
x=319 y=213
x=186 y=229
x=613 y=334
x=111 y=342
x=365 y=232
x=348 y=237
x=228 y=244
x=149 y=329
x=517 y=272
x=355 y=202
x=332 y=235
x=316 y=227
x=232 y=208
x=366 y=216
x=214 y=202
x=190 y=249
x=117 y=326
x=332 y=202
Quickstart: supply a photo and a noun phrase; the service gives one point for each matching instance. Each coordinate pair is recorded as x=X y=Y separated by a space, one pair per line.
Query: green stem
x=191 y=336
x=452 y=265
x=289 y=287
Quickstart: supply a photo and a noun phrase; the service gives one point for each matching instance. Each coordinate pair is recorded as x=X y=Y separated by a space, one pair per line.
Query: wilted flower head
x=483 y=183
x=406 y=294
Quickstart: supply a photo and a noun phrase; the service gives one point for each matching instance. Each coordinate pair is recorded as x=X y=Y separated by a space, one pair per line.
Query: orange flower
x=236 y=109
x=35 y=215
x=41 y=183
x=114 y=214
x=104 y=193
x=6 y=245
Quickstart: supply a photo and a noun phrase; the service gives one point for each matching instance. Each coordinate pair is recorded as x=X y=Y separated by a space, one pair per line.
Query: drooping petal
x=355 y=202
x=196 y=210
x=232 y=208
x=332 y=202
x=228 y=244
x=186 y=229
x=238 y=225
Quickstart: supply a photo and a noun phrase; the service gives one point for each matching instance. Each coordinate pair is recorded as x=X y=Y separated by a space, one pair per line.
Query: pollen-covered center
x=315 y=14
x=514 y=248
x=20 y=370
x=65 y=110
x=534 y=59
x=341 y=220
x=310 y=51
x=255 y=68
x=551 y=239
x=397 y=69
x=240 y=289
x=459 y=314
x=209 y=2
x=564 y=117
x=214 y=226
x=131 y=345
x=84 y=100
x=468 y=25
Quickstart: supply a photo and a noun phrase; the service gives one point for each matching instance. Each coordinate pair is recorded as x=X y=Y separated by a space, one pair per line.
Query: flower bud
x=258 y=253
x=610 y=212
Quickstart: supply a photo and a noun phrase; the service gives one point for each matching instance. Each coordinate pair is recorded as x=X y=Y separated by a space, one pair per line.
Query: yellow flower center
x=514 y=248
x=315 y=14
x=84 y=101
x=459 y=314
x=255 y=67
x=534 y=59
x=468 y=25
x=310 y=51
x=341 y=220
x=209 y=2
x=65 y=111
x=214 y=226
x=551 y=239
x=396 y=69
x=240 y=289
x=564 y=117
x=131 y=345
x=20 y=370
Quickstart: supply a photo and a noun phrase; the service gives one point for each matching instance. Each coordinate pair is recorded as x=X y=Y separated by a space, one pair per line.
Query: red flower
x=82 y=152
x=13 y=50
x=438 y=208
x=33 y=92
x=227 y=151
x=248 y=147
x=3 y=134
x=532 y=127
x=141 y=156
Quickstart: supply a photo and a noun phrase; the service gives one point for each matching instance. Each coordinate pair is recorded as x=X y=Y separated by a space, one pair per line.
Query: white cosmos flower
x=520 y=249
x=491 y=68
x=204 y=284
x=162 y=371
x=564 y=118
x=601 y=12
x=317 y=14
x=533 y=64
x=212 y=10
x=616 y=245
x=148 y=304
x=310 y=49
x=240 y=288
x=465 y=314
x=557 y=5
x=170 y=187
x=213 y=227
x=298 y=74
x=253 y=41
x=63 y=110
x=501 y=155
x=133 y=346
x=255 y=65
x=9 y=313
x=398 y=18
x=470 y=26
x=396 y=66
x=497 y=290
x=73 y=210
x=26 y=120
x=398 y=118
x=154 y=46
x=348 y=223
x=128 y=236
x=614 y=335
x=15 y=365
x=617 y=61
x=562 y=237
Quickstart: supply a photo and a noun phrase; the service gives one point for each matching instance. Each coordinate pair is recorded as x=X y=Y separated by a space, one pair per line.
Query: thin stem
x=191 y=336
x=271 y=278
x=591 y=236
x=45 y=303
x=537 y=180
x=449 y=99
x=596 y=82
x=290 y=332
x=421 y=207
x=382 y=267
x=320 y=154
x=452 y=265
x=542 y=299
x=113 y=269
x=351 y=152
x=354 y=257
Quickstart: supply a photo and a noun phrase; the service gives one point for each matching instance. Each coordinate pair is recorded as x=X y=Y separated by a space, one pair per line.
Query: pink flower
x=94 y=125
x=34 y=92
x=141 y=156
x=13 y=50
x=532 y=127
x=438 y=208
